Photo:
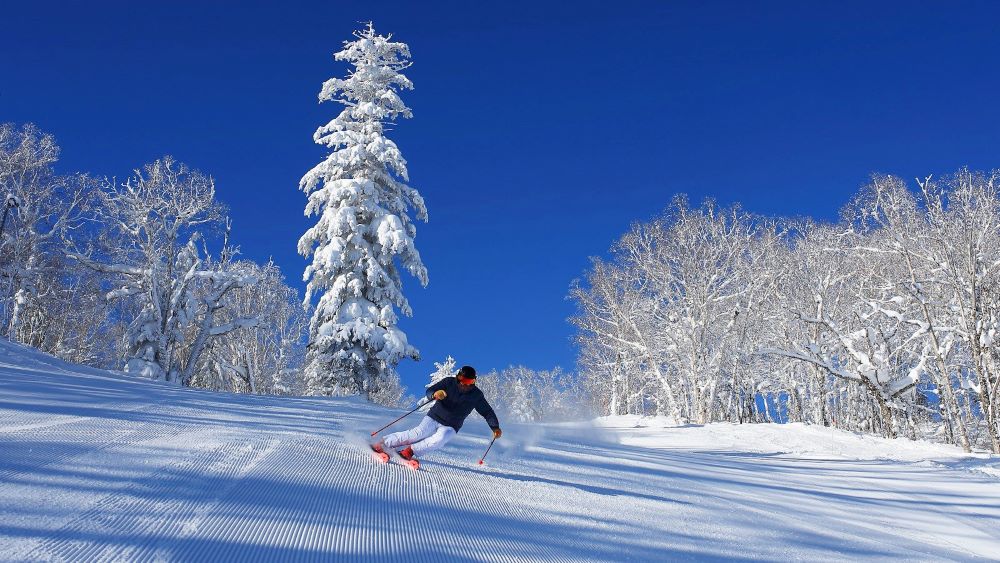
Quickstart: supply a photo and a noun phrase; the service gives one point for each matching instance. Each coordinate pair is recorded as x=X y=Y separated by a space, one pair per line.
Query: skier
x=456 y=397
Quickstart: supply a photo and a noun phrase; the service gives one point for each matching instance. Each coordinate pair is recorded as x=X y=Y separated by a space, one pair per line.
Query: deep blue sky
x=540 y=130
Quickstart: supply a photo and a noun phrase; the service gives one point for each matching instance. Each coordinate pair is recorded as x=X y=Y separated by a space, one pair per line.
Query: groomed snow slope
x=96 y=466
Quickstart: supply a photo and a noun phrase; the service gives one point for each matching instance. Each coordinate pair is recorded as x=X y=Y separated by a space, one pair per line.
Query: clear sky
x=540 y=130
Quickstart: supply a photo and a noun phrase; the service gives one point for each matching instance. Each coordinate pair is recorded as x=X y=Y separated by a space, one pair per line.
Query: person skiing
x=455 y=398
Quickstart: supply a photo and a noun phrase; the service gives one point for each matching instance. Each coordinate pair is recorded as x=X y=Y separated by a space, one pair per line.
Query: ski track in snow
x=99 y=467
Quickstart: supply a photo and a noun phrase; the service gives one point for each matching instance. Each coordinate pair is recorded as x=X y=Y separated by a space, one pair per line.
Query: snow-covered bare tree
x=113 y=273
x=360 y=194
x=156 y=219
x=908 y=288
x=617 y=354
x=211 y=294
x=703 y=269
x=672 y=323
x=263 y=358
x=812 y=275
x=963 y=215
x=842 y=330
x=41 y=210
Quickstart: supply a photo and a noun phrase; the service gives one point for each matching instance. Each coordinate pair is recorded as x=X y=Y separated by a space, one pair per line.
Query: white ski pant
x=426 y=437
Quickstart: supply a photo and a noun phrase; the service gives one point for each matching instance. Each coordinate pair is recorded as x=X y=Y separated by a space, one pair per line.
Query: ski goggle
x=466 y=381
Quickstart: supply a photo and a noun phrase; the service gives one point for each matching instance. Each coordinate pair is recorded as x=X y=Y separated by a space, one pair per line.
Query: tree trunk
x=198 y=346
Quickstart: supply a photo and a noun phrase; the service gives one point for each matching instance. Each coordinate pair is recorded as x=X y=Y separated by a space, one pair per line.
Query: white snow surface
x=100 y=466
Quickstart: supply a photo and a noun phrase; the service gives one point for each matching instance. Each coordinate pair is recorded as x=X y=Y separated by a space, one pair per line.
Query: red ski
x=407 y=455
x=379 y=453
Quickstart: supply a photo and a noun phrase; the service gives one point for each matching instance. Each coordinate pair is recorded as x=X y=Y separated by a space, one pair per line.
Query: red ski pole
x=487 y=450
x=397 y=420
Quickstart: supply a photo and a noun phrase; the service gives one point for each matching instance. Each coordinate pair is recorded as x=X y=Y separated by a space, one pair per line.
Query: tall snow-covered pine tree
x=360 y=194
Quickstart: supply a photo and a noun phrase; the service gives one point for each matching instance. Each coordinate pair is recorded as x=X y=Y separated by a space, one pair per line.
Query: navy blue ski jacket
x=456 y=406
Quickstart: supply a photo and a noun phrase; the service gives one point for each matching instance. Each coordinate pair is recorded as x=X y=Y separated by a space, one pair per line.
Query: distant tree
x=526 y=395
x=444 y=369
x=363 y=203
x=489 y=384
x=521 y=404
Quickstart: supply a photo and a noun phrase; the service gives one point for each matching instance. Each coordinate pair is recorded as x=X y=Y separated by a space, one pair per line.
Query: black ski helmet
x=468 y=372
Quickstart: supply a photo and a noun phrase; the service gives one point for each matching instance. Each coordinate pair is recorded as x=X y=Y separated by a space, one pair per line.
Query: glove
x=497 y=433
x=440 y=395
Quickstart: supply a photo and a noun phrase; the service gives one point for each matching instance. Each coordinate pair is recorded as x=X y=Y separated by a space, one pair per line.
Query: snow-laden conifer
x=520 y=405
x=443 y=370
x=363 y=202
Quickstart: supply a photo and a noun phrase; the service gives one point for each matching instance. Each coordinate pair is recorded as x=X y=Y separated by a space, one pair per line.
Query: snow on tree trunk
x=364 y=227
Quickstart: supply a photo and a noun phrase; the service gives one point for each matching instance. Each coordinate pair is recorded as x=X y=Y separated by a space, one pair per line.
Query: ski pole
x=397 y=420
x=487 y=450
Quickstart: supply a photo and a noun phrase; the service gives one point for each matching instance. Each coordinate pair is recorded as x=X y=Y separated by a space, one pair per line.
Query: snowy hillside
x=97 y=466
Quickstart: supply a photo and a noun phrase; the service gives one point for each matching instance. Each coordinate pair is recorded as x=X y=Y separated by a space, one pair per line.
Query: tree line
x=884 y=321
x=139 y=274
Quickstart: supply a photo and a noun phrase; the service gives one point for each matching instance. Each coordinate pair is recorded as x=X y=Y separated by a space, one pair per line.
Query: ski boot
x=380 y=453
x=408 y=459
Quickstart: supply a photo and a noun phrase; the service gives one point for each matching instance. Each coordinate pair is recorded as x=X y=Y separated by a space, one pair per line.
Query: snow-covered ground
x=97 y=466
